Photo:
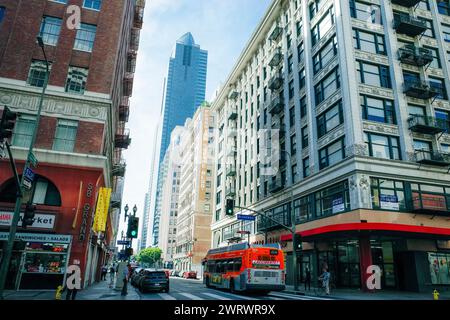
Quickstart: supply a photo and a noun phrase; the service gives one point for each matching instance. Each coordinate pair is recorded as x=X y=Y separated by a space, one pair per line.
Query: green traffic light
x=133 y=233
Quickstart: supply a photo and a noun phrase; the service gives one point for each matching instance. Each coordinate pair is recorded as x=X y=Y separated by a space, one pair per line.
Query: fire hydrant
x=59 y=292
x=435 y=295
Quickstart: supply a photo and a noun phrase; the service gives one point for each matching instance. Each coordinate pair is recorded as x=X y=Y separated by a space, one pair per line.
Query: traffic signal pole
x=12 y=232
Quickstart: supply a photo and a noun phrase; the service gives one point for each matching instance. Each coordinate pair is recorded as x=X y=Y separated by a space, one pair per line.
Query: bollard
x=435 y=295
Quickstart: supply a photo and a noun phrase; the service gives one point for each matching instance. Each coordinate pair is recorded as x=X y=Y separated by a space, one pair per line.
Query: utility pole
x=12 y=233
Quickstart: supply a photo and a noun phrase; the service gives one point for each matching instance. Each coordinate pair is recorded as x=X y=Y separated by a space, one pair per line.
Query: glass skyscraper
x=184 y=93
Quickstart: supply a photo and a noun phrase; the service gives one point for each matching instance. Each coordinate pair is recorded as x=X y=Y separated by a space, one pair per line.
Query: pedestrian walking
x=325 y=278
x=104 y=272
x=125 y=280
x=308 y=279
x=112 y=273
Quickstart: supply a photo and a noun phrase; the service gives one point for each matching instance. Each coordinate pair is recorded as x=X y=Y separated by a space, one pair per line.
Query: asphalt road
x=190 y=289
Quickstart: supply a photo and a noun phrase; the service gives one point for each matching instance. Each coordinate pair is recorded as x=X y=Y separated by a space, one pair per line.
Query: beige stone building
x=195 y=201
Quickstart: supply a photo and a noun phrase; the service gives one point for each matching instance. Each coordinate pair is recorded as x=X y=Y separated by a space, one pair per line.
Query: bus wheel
x=207 y=282
x=232 y=286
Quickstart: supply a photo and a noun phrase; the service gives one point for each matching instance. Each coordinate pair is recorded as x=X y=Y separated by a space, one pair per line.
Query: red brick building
x=81 y=133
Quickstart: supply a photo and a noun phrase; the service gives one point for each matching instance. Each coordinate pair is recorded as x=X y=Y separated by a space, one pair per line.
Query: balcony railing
x=232 y=151
x=119 y=169
x=276 y=82
x=415 y=56
x=230 y=192
x=420 y=90
x=124 y=112
x=428 y=125
x=277 y=105
x=232 y=113
x=122 y=140
x=231 y=171
x=406 y=3
x=282 y=130
x=277 y=57
x=276 y=186
x=433 y=158
x=134 y=39
x=128 y=84
x=265 y=224
x=276 y=33
x=408 y=25
x=116 y=201
x=233 y=94
x=139 y=13
x=430 y=204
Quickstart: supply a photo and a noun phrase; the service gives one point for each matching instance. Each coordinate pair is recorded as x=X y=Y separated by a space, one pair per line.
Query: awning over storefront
x=380 y=228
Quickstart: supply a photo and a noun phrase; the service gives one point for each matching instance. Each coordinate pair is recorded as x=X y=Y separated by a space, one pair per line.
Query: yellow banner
x=101 y=211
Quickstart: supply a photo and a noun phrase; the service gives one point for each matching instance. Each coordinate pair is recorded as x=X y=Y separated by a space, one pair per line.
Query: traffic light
x=7 y=124
x=133 y=226
x=28 y=216
x=229 y=209
x=298 y=242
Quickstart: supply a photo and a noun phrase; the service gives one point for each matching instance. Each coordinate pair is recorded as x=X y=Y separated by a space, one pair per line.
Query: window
x=306 y=170
x=332 y=154
x=325 y=55
x=299 y=26
x=380 y=146
x=374 y=75
x=305 y=137
x=315 y=7
x=66 y=133
x=436 y=63
x=416 y=110
x=332 y=200
x=377 y=109
x=288 y=41
x=76 y=80
x=23 y=130
x=387 y=194
x=369 y=13
x=330 y=119
x=420 y=145
x=92 y=4
x=446 y=32
x=293 y=144
x=303 y=107
x=37 y=73
x=439 y=267
x=291 y=89
x=84 y=40
x=301 y=51
x=443 y=7
x=302 y=79
x=444 y=117
x=294 y=173
x=303 y=209
x=292 y=116
x=369 y=42
x=2 y=13
x=327 y=86
x=50 y=29
x=439 y=84
x=430 y=30
x=430 y=197
x=424 y=5
x=323 y=26
x=46 y=193
x=445 y=148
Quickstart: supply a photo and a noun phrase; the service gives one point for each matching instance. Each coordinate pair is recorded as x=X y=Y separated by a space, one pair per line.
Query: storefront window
x=439 y=267
x=387 y=194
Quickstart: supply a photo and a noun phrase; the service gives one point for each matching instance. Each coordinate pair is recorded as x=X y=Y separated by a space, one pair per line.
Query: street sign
x=123 y=243
x=33 y=160
x=29 y=174
x=27 y=184
x=246 y=217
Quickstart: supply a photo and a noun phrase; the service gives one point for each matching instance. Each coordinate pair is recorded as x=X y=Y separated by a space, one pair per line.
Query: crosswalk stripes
x=215 y=296
x=295 y=297
x=239 y=296
x=190 y=296
x=166 y=296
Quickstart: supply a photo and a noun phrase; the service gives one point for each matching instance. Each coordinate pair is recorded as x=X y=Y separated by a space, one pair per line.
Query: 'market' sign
x=40 y=221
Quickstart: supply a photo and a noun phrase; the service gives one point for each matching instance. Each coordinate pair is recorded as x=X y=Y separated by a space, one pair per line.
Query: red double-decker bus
x=244 y=267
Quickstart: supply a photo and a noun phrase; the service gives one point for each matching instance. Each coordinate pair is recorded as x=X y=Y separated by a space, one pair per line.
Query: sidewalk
x=97 y=291
x=356 y=294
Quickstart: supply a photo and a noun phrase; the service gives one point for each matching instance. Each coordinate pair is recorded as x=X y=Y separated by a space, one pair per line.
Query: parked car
x=190 y=275
x=153 y=280
x=135 y=276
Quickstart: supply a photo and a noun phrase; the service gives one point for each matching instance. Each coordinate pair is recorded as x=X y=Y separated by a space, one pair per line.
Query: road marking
x=243 y=297
x=216 y=296
x=190 y=296
x=166 y=296
x=284 y=295
x=274 y=298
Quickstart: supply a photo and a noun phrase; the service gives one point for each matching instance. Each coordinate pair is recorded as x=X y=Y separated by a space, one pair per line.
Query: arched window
x=44 y=192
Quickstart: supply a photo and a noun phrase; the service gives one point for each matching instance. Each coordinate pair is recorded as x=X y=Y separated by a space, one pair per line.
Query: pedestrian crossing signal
x=229 y=210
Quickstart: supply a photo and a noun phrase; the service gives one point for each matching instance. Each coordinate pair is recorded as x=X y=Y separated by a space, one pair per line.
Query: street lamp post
x=12 y=233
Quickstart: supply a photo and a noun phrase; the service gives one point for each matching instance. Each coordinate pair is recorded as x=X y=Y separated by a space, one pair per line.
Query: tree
x=149 y=255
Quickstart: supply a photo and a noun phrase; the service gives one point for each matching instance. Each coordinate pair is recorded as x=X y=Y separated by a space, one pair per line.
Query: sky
x=222 y=27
